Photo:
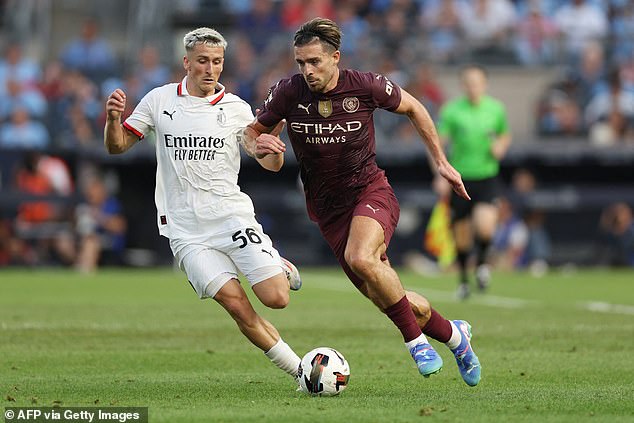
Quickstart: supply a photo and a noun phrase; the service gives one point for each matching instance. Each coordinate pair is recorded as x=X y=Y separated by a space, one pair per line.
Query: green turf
x=552 y=349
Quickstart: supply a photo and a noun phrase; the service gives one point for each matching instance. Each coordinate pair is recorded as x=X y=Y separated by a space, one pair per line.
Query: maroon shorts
x=378 y=202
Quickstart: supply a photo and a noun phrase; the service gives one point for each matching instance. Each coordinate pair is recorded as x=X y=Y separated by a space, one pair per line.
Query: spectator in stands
x=440 y=20
x=14 y=66
x=260 y=24
x=295 y=12
x=23 y=133
x=90 y=53
x=77 y=112
x=41 y=225
x=588 y=77
x=580 y=22
x=426 y=88
x=355 y=29
x=30 y=180
x=19 y=95
x=9 y=249
x=617 y=231
x=234 y=7
x=537 y=252
x=13 y=250
x=51 y=83
x=621 y=20
x=58 y=174
x=395 y=36
x=101 y=227
x=510 y=239
x=610 y=115
x=151 y=73
x=558 y=113
x=627 y=72
x=244 y=76
x=535 y=38
x=487 y=25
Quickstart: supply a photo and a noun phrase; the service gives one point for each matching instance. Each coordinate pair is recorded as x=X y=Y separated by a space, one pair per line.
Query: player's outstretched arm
x=116 y=138
x=265 y=145
x=425 y=127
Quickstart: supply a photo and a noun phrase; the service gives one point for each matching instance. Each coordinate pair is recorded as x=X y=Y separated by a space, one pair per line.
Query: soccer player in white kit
x=210 y=223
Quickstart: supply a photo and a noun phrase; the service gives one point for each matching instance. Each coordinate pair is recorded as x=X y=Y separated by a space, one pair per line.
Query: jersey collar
x=181 y=90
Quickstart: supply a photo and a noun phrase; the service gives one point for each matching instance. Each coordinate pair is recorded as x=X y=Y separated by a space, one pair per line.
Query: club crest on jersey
x=350 y=104
x=325 y=108
x=221 y=118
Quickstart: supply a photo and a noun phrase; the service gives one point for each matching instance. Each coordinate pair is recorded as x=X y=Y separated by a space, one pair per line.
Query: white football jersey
x=198 y=159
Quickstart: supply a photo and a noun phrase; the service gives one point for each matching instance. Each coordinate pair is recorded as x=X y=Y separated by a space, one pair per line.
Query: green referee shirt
x=471 y=129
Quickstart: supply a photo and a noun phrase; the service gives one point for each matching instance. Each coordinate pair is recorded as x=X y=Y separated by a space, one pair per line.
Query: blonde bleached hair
x=204 y=35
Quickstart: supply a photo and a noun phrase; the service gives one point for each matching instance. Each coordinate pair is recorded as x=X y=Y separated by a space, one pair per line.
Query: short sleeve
x=141 y=121
x=385 y=93
x=242 y=116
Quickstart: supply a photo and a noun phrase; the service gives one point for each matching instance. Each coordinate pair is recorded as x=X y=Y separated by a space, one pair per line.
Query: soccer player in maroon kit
x=329 y=121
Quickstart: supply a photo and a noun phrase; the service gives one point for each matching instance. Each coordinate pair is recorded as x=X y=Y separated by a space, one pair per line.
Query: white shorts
x=226 y=254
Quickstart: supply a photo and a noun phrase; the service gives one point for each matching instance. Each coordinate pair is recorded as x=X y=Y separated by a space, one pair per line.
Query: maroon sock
x=437 y=327
x=403 y=317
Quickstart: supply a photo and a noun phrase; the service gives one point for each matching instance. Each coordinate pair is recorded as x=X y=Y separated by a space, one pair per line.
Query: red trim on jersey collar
x=181 y=90
x=218 y=97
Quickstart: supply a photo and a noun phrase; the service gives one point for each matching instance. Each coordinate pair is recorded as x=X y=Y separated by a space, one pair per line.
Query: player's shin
x=427 y=360
x=437 y=327
x=404 y=319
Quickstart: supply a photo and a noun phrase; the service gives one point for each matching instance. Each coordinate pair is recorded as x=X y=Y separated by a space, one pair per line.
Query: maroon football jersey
x=332 y=134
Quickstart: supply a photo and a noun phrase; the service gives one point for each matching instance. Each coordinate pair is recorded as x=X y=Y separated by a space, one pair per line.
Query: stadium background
x=580 y=167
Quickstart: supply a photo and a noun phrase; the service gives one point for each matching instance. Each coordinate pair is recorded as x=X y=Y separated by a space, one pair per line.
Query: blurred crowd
x=56 y=103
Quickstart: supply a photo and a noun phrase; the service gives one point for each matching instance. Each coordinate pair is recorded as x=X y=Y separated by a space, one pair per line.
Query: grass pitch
x=558 y=348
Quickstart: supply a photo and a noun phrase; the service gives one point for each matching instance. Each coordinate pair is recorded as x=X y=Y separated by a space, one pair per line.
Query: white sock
x=456 y=337
x=422 y=339
x=284 y=357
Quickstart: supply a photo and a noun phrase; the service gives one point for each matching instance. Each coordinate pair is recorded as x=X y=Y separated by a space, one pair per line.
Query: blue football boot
x=468 y=362
x=426 y=358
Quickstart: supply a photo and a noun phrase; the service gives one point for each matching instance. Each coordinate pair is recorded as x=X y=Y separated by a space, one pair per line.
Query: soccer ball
x=323 y=372
x=292 y=274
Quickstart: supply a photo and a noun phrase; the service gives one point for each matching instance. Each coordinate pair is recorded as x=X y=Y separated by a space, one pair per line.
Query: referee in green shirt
x=476 y=129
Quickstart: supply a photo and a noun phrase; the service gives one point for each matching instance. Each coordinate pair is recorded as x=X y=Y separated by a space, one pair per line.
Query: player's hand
x=498 y=150
x=452 y=176
x=115 y=104
x=268 y=144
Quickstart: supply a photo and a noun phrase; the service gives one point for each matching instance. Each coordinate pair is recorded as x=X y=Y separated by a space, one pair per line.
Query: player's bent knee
x=359 y=263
